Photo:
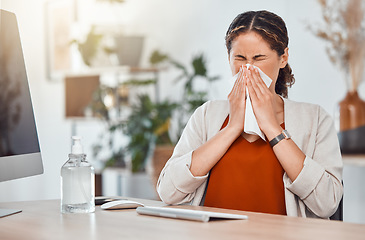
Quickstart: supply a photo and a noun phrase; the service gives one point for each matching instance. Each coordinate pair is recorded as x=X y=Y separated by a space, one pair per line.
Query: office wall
x=181 y=29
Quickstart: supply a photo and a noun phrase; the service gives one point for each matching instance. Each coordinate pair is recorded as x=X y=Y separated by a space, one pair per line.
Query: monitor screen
x=19 y=146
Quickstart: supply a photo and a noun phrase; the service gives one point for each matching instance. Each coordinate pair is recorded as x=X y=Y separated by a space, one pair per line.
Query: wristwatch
x=283 y=135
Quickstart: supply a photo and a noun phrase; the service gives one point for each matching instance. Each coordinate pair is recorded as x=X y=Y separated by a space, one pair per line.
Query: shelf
x=354 y=160
x=143 y=70
x=112 y=69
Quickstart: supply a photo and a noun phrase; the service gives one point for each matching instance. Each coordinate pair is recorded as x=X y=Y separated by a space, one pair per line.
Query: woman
x=217 y=164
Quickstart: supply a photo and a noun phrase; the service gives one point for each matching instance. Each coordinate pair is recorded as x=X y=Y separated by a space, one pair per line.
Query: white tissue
x=250 y=125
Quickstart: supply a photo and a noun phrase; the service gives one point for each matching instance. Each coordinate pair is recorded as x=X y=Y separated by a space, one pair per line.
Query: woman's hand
x=237 y=103
x=263 y=103
x=205 y=157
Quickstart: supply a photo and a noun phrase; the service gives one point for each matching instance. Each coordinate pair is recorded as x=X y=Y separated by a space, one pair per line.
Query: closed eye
x=259 y=57
x=239 y=57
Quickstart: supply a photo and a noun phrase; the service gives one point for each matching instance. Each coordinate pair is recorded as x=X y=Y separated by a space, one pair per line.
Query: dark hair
x=272 y=29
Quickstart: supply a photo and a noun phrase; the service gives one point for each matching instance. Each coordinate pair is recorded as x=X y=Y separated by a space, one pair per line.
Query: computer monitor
x=20 y=154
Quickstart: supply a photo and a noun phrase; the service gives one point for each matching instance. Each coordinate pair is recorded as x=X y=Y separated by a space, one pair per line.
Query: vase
x=352 y=124
x=352 y=111
x=161 y=154
x=129 y=50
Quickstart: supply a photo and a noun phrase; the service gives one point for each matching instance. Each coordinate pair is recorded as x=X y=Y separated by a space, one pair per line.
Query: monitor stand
x=7 y=212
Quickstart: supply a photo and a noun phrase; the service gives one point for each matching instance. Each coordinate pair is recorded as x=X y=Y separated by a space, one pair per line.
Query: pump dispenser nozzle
x=76 y=147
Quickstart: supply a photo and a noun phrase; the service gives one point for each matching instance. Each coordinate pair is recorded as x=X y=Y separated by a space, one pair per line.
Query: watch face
x=286 y=134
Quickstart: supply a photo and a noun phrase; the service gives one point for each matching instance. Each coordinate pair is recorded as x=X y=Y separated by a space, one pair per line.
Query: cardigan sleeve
x=319 y=183
x=176 y=184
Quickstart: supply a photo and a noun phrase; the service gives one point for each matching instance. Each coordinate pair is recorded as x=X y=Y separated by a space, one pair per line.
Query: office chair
x=338 y=215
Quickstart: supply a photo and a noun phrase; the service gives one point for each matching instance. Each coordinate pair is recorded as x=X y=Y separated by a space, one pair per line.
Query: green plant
x=156 y=58
x=89 y=48
x=92 y=44
x=147 y=125
x=101 y=110
x=149 y=122
x=191 y=98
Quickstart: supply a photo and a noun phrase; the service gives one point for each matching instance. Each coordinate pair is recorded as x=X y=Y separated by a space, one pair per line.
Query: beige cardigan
x=317 y=190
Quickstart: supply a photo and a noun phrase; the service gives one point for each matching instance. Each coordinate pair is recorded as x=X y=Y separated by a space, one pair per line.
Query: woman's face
x=251 y=48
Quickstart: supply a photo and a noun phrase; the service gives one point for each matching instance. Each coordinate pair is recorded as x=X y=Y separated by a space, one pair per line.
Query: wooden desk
x=43 y=220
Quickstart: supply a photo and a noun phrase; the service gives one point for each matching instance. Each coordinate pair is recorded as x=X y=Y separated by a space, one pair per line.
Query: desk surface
x=43 y=220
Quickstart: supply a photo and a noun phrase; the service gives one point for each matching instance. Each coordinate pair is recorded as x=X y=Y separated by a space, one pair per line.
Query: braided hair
x=272 y=29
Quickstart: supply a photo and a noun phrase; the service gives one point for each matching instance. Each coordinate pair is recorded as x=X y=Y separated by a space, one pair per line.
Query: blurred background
x=126 y=76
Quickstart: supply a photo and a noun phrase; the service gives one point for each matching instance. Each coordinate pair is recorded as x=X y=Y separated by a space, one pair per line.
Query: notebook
x=188 y=214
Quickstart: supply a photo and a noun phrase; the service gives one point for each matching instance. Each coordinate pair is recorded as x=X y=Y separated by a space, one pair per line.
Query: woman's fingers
x=251 y=90
x=262 y=100
x=240 y=80
x=257 y=83
x=237 y=103
x=236 y=84
x=244 y=85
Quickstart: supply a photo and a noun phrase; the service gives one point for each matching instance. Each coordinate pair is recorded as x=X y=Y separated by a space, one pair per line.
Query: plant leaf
x=199 y=65
x=157 y=57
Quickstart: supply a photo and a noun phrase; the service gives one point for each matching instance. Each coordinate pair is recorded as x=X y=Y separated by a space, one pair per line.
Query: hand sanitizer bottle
x=77 y=182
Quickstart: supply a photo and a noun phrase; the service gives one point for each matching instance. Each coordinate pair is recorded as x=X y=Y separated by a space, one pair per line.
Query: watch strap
x=283 y=135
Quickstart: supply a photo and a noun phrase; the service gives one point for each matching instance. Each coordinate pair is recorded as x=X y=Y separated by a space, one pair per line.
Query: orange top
x=248 y=177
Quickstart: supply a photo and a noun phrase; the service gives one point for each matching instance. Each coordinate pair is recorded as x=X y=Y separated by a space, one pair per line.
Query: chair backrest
x=338 y=215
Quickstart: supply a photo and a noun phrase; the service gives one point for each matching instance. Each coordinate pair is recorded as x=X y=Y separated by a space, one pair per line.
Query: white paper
x=250 y=125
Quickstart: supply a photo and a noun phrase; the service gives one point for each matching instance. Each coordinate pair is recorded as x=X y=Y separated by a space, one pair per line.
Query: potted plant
x=106 y=46
x=190 y=99
x=148 y=124
x=101 y=108
x=344 y=32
